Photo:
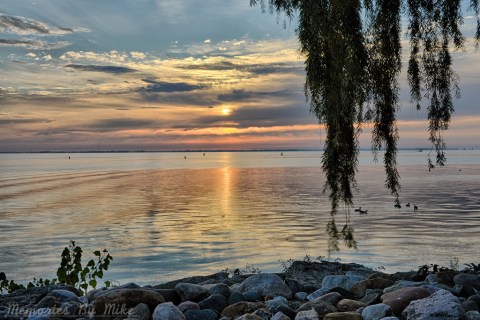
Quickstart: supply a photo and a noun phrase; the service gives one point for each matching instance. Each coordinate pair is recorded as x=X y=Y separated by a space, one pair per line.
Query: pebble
x=358 y=295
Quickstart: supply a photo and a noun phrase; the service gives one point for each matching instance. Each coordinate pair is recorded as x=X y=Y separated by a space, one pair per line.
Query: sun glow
x=226 y=111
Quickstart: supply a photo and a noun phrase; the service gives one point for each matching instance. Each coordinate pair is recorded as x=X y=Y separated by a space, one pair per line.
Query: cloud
x=163 y=86
x=23 y=121
x=242 y=95
x=123 y=124
x=97 y=68
x=26 y=26
x=34 y=44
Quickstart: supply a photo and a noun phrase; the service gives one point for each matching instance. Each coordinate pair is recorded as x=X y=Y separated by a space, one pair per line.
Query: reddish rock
x=398 y=300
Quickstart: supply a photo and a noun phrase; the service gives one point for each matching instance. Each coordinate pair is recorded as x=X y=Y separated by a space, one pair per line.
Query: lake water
x=164 y=217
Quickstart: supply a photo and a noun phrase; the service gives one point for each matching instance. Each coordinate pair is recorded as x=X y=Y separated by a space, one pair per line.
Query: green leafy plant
x=70 y=272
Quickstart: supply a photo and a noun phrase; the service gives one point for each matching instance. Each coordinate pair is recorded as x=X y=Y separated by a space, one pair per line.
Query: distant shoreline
x=420 y=149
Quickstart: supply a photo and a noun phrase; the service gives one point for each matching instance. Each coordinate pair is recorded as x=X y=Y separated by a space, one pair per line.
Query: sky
x=161 y=75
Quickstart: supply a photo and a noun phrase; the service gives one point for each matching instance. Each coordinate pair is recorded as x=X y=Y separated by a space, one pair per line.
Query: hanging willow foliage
x=353 y=60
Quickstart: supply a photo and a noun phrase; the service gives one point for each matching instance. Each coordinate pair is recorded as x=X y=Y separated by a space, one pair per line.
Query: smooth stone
x=186 y=305
x=276 y=302
x=167 y=311
x=301 y=296
x=249 y=317
x=170 y=295
x=268 y=285
x=207 y=314
x=470 y=305
x=280 y=316
x=343 y=281
x=390 y=318
x=241 y=308
x=236 y=297
x=215 y=302
x=129 y=285
x=402 y=284
x=359 y=288
x=346 y=294
x=446 y=277
x=346 y=305
x=46 y=302
x=288 y=311
x=441 y=305
x=222 y=289
x=371 y=298
x=263 y=313
x=321 y=307
x=64 y=295
x=191 y=292
x=400 y=299
x=343 y=316
x=467 y=279
x=333 y=298
x=317 y=293
x=140 y=312
x=129 y=297
x=472 y=315
x=376 y=311
x=431 y=278
x=475 y=298
x=307 y=315
x=466 y=291
x=294 y=285
x=253 y=296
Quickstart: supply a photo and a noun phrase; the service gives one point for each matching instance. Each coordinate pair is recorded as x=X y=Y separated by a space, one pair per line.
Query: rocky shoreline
x=305 y=291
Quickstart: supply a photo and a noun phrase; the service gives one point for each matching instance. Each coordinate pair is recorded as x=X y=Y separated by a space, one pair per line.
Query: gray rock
x=402 y=284
x=215 y=302
x=390 y=318
x=307 y=315
x=280 y=316
x=268 y=285
x=64 y=295
x=249 y=317
x=263 y=313
x=301 y=296
x=184 y=306
x=343 y=281
x=333 y=298
x=140 y=312
x=129 y=285
x=207 y=314
x=472 y=315
x=191 y=292
x=321 y=307
x=376 y=311
x=371 y=298
x=470 y=305
x=467 y=279
x=276 y=302
x=431 y=278
x=442 y=305
x=288 y=311
x=46 y=302
x=294 y=285
x=253 y=296
x=318 y=293
x=236 y=297
x=222 y=289
x=167 y=311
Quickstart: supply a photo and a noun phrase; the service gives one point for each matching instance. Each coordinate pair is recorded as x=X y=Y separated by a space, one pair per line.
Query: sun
x=226 y=111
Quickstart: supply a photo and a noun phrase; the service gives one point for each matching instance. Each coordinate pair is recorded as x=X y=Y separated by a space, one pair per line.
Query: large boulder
x=268 y=285
x=167 y=311
x=441 y=305
x=472 y=280
x=343 y=281
x=400 y=299
x=191 y=292
x=376 y=311
x=241 y=308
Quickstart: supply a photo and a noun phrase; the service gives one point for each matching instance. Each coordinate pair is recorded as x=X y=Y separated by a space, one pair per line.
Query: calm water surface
x=164 y=217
